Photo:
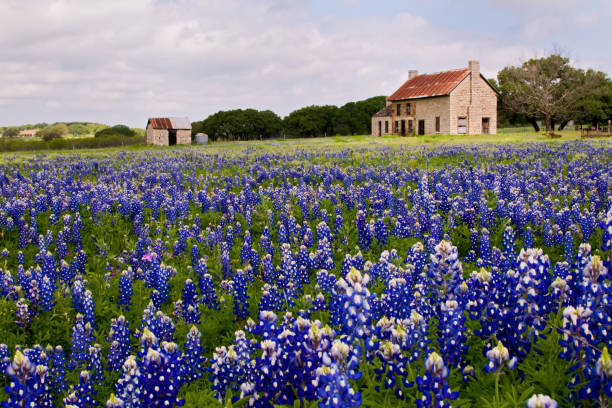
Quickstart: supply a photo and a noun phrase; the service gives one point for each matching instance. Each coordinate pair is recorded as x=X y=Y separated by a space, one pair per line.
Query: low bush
x=117 y=130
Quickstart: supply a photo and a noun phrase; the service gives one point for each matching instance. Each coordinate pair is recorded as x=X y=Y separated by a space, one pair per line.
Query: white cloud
x=121 y=61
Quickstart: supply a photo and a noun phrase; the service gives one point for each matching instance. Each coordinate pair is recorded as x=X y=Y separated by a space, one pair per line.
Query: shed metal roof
x=427 y=85
x=174 y=123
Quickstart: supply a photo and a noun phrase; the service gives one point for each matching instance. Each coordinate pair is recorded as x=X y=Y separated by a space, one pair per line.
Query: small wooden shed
x=168 y=131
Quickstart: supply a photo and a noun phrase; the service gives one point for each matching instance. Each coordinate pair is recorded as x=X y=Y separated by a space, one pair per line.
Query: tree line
x=353 y=118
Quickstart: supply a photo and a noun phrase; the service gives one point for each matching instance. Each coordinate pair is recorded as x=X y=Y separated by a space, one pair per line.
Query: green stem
x=497 y=374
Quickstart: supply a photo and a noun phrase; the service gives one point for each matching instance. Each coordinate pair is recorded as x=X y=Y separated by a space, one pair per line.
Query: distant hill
x=75 y=129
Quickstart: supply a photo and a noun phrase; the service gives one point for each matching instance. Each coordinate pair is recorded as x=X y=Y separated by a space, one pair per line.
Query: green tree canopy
x=11 y=131
x=311 y=121
x=56 y=131
x=120 y=130
x=548 y=89
x=239 y=124
x=78 y=129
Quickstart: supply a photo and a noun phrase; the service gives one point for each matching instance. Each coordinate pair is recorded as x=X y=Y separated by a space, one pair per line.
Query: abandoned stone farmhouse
x=460 y=101
x=168 y=131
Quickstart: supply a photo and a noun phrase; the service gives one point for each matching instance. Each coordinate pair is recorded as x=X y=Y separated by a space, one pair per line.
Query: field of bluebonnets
x=473 y=276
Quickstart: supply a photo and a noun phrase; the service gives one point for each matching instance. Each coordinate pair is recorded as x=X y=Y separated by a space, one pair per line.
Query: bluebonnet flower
x=599 y=386
x=499 y=358
x=83 y=394
x=417 y=257
x=452 y=337
x=160 y=377
x=363 y=230
x=158 y=323
x=484 y=249
x=125 y=290
x=82 y=337
x=190 y=301
x=332 y=382
x=5 y=358
x=114 y=402
x=78 y=288
x=540 y=401
x=393 y=366
x=192 y=361
x=434 y=385
x=22 y=312
x=28 y=386
x=119 y=340
x=355 y=304
x=528 y=238
x=508 y=249
x=57 y=366
x=94 y=364
x=128 y=387
x=241 y=298
x=229 y=366
x=89 y=309
x=446 y=270
x=380 y=232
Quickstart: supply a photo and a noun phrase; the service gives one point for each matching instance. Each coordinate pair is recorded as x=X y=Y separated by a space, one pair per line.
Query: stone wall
x=382 y=120
x=474 y=100
x=157 y=136
x=427 y=109
x=183 y=136
x=403 y=115
x=160 y=137
x=488 y=105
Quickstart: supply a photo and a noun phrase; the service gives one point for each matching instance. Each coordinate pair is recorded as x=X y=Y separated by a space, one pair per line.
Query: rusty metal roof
x=386 y=111
x=170 y=123
x=427 y=85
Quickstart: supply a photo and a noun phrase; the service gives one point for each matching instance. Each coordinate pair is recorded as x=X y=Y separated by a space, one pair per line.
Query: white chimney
x=412 y=73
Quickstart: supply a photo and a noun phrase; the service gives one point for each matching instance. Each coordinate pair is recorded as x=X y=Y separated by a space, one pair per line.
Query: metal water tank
x=201 y=138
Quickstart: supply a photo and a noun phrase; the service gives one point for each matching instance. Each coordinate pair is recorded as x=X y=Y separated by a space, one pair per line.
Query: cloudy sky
x=120 y=61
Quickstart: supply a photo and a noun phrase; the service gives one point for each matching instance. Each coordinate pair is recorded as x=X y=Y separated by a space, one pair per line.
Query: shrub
x=56 y=131
x=120 y=130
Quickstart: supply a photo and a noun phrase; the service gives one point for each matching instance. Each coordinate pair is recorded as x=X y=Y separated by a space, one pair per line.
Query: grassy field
x=333 y=142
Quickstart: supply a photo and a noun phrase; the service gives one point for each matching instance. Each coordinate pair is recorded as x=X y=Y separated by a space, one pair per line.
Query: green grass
x=333 y=142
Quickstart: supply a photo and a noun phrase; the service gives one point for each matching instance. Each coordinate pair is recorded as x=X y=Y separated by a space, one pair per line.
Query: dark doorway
x=403 y=127
x=379 y=128
x=410 y=126
x=171 y=137
x=421 y=127
x=485 y=126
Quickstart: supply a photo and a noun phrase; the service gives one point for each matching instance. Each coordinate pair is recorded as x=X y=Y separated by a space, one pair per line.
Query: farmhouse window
x=396 y=126
x=409 y=126
x=407 y=109
x=462 y=125
x=437 y=124
x=399 y=109
x=386 y=126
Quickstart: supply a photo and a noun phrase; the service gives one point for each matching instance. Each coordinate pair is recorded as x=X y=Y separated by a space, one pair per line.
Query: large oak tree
x=548 y=89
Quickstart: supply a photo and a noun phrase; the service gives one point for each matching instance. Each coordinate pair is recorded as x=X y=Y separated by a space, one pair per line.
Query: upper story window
x=408 y=109
x=399 y=109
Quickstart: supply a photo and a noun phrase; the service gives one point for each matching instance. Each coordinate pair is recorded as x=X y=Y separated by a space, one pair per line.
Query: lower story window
x=396 y=126
x=462 y=125
x=386 y=126
x=437 y=124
